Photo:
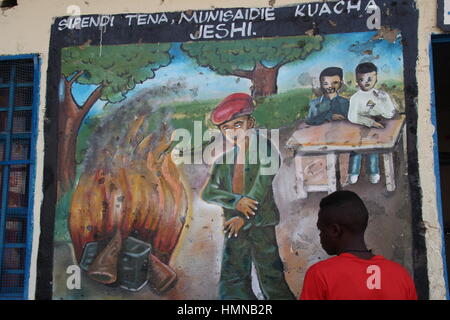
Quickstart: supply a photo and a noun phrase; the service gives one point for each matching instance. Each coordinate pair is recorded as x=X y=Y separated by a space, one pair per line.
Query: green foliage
x=61 y=232
x=118 y=68
x=185 y=113
x=272 y=112
x=225 y=57
x=283 y=109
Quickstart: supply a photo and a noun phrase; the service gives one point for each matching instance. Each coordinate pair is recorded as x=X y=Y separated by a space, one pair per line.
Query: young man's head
x=366 y=75
x=342 y=219
x=233 y=116
x=331 y=81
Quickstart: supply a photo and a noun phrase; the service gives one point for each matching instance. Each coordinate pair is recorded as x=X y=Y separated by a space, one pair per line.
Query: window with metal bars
x=18 y=132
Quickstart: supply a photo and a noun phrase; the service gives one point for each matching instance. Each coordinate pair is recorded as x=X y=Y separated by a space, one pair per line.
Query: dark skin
x=336 y=239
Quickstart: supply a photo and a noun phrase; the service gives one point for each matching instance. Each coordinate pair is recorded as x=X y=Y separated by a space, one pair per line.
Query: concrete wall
x=425 y=131
x=26 y=29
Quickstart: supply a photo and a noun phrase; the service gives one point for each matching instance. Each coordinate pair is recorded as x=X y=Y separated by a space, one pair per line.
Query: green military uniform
x=256 y=241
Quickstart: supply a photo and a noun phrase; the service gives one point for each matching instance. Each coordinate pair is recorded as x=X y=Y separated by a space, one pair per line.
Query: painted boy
x=330 y=106
x=367 y=106
x=246 y=196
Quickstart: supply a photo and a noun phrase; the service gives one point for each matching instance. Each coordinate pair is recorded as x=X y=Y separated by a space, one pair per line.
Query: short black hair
x=366 y=67
x=345 y=208
x=332 y=71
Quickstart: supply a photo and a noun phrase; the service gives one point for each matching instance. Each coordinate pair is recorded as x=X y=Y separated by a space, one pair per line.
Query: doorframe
x=438 y=38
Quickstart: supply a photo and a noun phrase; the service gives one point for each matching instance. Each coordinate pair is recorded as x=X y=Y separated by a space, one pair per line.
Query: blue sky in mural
x=341 y=50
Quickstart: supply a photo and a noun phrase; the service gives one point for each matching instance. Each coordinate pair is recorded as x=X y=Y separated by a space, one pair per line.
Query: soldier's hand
x=337 y=116
x=233 y=226
x=247 y=206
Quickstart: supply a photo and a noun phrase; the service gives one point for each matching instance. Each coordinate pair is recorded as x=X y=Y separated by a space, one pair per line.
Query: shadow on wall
x=8 y=3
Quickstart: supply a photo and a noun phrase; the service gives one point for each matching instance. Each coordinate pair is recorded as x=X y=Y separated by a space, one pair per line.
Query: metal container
x=133 y=264
x=89 y=254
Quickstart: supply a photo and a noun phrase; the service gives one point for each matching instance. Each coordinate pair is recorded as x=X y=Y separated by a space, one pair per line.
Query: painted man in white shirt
x=367 y=106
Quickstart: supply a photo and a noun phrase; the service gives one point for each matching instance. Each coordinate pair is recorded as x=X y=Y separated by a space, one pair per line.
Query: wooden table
x=333 y=138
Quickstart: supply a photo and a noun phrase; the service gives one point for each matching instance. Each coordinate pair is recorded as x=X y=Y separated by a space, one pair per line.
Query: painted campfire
x=137 y=195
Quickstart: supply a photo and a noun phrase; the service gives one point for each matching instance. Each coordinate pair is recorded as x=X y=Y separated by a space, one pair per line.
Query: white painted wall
x=26 y=29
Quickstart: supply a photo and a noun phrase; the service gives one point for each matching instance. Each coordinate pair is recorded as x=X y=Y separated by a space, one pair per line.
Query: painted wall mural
x=144 y=109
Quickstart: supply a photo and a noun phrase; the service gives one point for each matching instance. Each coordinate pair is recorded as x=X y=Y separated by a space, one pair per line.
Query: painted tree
x=256 y=59
x=113 y=70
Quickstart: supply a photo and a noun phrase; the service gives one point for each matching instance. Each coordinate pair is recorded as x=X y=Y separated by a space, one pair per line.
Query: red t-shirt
x=347 y=277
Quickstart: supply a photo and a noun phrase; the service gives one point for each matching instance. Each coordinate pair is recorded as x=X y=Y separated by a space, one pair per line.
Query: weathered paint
x=28 y=14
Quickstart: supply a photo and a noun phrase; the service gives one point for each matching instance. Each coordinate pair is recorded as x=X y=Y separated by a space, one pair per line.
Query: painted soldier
x=244 y=190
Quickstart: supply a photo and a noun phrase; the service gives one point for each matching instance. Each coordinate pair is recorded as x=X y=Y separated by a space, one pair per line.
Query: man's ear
x=336 y=230
x=251 y=122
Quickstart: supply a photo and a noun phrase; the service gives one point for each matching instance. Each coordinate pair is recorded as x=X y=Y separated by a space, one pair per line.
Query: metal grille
x=18 y=78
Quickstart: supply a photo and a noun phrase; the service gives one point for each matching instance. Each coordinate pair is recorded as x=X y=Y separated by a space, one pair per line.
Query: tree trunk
x=70 y=118
x=264 y=79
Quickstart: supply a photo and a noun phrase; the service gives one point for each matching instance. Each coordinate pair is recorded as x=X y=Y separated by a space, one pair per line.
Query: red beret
x=233 y=106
